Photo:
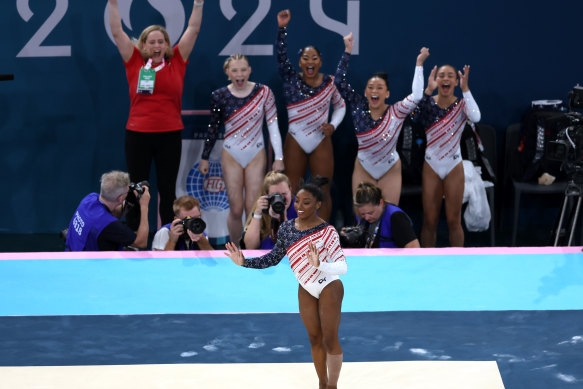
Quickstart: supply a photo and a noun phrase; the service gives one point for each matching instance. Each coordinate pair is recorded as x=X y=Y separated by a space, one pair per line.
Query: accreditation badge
x=146 y=81
x=147 y=77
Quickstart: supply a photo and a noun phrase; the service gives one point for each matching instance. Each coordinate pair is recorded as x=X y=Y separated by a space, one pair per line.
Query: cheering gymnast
x=241 y=107
x=444 y=116
x=378 y=125
x=308 y=96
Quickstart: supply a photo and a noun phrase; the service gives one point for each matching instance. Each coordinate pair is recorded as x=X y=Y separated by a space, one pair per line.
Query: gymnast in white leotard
x=308 y=97
x=241 y=107
x=377 y=125
x=316 y=258
x=444 y=116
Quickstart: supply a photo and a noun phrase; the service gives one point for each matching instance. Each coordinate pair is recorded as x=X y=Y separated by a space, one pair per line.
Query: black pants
x=164 y=148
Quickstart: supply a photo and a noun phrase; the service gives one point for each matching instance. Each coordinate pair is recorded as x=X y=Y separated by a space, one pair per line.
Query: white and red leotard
x=377 y=139
x=444 y=133
x=243 y=121
x=308 y=107
x=294 y=243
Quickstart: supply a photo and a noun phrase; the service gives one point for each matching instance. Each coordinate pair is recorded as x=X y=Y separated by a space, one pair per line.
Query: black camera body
x=353 y=237
x=276 y=202
x=195 y=224
x=568 y=145
x=139 y=187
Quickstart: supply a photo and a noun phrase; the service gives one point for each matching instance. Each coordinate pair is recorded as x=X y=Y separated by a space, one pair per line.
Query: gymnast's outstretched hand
x=283 y=18
x=348 y=43
x=235 y=254
x=423 y=54
x=464 y=77
x=313 y=255
x=431 y=82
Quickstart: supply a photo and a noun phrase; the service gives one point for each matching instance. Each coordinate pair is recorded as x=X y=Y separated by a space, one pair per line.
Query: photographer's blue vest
x=384 y=235
x=90 y=218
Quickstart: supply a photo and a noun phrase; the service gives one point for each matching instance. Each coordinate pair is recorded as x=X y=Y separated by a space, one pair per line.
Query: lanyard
x=148 y=65
x=147 y=77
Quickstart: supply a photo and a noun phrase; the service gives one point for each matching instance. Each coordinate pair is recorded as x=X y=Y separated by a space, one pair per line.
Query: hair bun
x=320 y=180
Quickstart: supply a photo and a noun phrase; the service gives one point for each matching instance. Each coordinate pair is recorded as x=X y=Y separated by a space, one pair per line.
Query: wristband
x=198 y=3
x=256 y=216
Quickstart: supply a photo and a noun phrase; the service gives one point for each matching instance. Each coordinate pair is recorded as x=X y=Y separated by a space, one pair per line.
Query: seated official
x=186 y=232
x=95 y=226
x=261 y=227
x=382 y=225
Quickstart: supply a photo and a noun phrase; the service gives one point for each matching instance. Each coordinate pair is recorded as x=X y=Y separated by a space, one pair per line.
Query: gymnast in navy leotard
x=242 y=106
x=378 y=125
x=308 y=95
x=316 y=258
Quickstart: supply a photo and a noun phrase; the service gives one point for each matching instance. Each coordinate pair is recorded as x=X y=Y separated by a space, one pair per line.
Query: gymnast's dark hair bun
x=383 y=76
x=314 y=186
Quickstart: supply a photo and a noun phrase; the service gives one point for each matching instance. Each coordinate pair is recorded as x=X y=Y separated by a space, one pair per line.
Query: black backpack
x=538 y=128
x=473 y=150
x=411 y=147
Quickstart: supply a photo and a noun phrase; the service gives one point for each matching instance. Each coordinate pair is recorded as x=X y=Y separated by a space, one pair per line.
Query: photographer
x=95 y=226
x=382 y=225
x=186 y=232
x=263 y=223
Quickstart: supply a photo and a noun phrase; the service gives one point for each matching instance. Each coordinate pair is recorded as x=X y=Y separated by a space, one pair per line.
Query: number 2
x=236 y=45
x=33 y=47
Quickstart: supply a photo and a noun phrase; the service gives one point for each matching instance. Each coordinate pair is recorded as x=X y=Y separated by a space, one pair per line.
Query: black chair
x=513 y=135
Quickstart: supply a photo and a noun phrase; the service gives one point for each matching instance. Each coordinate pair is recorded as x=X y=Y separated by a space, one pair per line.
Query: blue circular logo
x=210 y=189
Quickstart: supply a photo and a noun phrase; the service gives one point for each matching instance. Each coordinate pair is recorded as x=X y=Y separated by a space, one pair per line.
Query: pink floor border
x=253 y=253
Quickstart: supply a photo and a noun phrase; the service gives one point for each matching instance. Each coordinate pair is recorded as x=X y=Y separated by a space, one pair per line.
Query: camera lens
x=195 y=224
x=278 y=203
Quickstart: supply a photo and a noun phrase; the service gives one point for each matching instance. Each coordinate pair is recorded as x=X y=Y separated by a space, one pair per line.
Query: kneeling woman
x=384 y=224
x=316 y=259
x=241 y=106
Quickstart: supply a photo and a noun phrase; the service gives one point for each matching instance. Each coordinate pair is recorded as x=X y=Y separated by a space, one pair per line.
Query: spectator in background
x=382 y=224
x=155 y=73
x=95 y=226
x=263 y=222
x=177 y=235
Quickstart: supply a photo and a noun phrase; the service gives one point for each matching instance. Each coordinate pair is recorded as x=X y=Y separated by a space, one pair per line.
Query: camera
x=139 y=187
x=568 y=145
x=276 y=202
x=353 y=237
x=132 y=199
x=195 y=224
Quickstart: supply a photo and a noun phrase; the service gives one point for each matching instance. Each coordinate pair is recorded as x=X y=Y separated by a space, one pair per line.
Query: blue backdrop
x=63 y=117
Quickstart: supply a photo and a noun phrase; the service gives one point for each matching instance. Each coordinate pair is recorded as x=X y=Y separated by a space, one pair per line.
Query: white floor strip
x=354 y=375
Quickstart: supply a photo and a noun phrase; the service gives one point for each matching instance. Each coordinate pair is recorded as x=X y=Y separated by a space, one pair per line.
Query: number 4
x=352 y=20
